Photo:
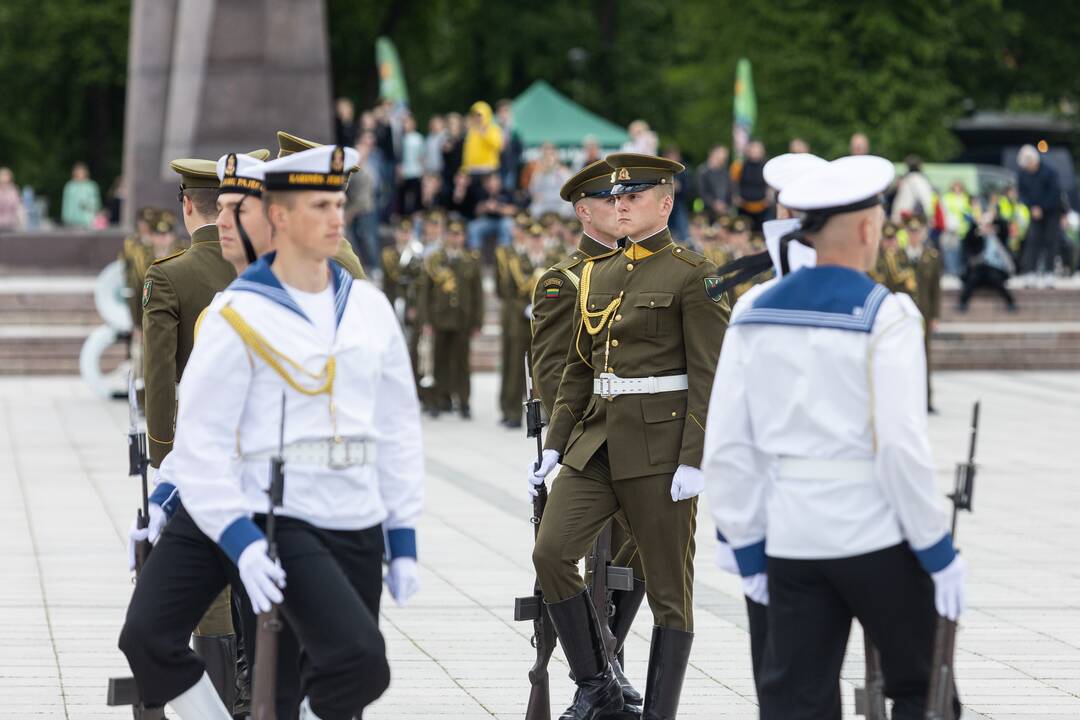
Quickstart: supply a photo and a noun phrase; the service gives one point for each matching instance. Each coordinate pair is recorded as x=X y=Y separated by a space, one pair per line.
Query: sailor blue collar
x=259 y=278
x=827 y=296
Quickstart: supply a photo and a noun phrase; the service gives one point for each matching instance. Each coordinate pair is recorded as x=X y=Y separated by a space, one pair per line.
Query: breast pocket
x=658 y=313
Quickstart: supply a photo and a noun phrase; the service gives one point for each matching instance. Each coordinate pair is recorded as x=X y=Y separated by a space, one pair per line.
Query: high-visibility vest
x=958 y=208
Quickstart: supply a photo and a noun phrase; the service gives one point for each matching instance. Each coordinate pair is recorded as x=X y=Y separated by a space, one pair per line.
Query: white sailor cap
x=783 y=169
x=844 y=185
x=238 y=173
x=320 y=168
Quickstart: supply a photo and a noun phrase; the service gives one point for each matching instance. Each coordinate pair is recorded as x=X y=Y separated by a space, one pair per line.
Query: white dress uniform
x=818 y=466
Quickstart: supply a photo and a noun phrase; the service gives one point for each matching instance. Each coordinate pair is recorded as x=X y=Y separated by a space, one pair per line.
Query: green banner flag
x=391 y=77
x=745 y=106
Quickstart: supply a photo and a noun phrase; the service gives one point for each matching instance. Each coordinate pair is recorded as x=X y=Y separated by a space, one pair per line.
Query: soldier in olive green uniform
x=927 y=265
x=516 y=272
x=554 y=300
x=893 y=269
x=629 y=427
x=402 y=265
x=176 y=291
x=137 y=256
x=345 y=256
x=451 y=306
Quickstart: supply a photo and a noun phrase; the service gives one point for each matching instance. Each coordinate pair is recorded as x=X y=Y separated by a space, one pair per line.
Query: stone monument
x=206 y=77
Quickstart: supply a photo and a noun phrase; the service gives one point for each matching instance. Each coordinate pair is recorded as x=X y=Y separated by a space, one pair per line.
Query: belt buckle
x=605 y=385
x=337 y=454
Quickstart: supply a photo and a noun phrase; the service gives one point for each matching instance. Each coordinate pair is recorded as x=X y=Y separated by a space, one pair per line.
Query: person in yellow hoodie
x=483 y=142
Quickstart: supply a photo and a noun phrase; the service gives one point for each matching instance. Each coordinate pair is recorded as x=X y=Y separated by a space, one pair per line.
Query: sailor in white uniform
x=817 y=460
x=779 y=173
x=296 y=323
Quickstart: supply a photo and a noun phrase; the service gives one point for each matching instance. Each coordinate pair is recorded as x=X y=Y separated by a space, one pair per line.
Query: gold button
x=674 y=414
x=629 y=266
x=614 y=343
x=611 y=369
x=651 y=303
x=592 y=306
x=618 y=318
x=678 y=250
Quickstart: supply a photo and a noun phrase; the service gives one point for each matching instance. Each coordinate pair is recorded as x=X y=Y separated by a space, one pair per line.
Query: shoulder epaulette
x=170 y=257
x=687 y=255
x=568 y=262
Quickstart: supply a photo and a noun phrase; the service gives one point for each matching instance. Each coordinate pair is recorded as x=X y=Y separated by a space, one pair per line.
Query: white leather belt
x=610 y=385
x=335 y=453
x=796 y=468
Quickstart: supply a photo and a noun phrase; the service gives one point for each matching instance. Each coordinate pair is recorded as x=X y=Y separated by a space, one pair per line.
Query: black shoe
x=512 y=424
x=218 y=652
x=961 y=307
x=1011 y=307
x=668 y=658
x=626 y=605
x=466 y=414
x=598 y=693
x=241 y=708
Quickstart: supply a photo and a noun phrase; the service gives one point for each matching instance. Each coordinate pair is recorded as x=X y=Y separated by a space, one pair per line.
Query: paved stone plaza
x=65 y=508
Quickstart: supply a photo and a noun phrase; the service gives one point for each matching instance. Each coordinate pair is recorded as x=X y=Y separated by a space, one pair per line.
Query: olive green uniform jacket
x=554 y=301
x=664 y=318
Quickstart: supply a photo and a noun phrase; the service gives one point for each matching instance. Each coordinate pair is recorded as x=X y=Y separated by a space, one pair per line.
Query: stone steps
x=45 y=319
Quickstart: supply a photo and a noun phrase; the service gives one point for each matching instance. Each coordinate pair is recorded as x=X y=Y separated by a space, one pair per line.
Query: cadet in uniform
x=628 y=426
x=137 y=256
x=830 y=520
x=402 y=266
x=554 y=300
x=345 y=255
x=517 y=269
x=451 y=307
x=892 y=269
x=351 y=431
x=927 y=265
x=176 y=291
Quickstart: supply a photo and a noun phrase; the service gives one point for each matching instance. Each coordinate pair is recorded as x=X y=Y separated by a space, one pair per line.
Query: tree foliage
x=901 y=72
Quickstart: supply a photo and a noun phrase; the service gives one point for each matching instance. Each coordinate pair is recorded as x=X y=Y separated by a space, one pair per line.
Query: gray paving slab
x=65 y=506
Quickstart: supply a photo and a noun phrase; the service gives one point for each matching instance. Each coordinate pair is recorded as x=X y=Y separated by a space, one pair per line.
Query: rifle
x=603 y=579
x=531 y=607
x=941 y=698
x=122 y=690
x=268 y=624
x=870 y=699
x=138 y=462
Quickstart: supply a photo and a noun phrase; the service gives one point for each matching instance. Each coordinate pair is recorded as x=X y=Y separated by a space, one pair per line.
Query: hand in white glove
x=949 y=588
x=756 y=587
x=538 y=473
x=528 y=311
x=402 y=579
x=687 y=483
x=135 y=536
x=158 y=518
x=725 y=558
x=263 y=578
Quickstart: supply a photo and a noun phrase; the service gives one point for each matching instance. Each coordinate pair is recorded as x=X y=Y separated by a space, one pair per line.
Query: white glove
x=135 y=536
x=949 y=588
x=756 y=587
x=528 y=311
x=725 y=558
x=158 y=518
x=402 y=579
x=263 y=578
x=687 y=483
x=538 y=473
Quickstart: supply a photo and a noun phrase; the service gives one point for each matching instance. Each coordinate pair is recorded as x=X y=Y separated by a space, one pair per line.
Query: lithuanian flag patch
x=552 y=287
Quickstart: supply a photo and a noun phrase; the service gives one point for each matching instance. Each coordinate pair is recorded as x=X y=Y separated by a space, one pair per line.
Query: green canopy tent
x=543 y=114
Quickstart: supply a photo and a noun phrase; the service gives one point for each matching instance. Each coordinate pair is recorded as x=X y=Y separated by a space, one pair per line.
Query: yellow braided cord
x=270 y=355
x=583 y=301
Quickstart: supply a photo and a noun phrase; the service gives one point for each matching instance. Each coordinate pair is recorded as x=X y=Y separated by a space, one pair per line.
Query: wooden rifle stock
x=268 y=624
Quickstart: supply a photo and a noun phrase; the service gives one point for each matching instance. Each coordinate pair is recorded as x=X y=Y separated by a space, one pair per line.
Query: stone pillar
x=206 y=77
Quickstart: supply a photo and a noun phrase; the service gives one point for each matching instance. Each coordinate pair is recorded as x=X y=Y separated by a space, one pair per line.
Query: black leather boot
x=668 y=657
x=241 y=708
x=626 y=605
x=218 y=652
x=598 y=692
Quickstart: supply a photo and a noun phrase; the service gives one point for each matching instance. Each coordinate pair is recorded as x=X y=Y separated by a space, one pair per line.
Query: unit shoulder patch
x=712 y=289
x=147 y=288
x=553 y=287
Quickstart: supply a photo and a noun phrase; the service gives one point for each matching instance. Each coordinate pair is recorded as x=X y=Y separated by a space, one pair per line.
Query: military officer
x=176 y=291
x=554 y=299
x=893 y=269
x=518 y=267
x=402 y=265
x=927 y=266
x=628 y=426
x=345 y=255
x=451 y=308
x=837 y=519
x=137 y=256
